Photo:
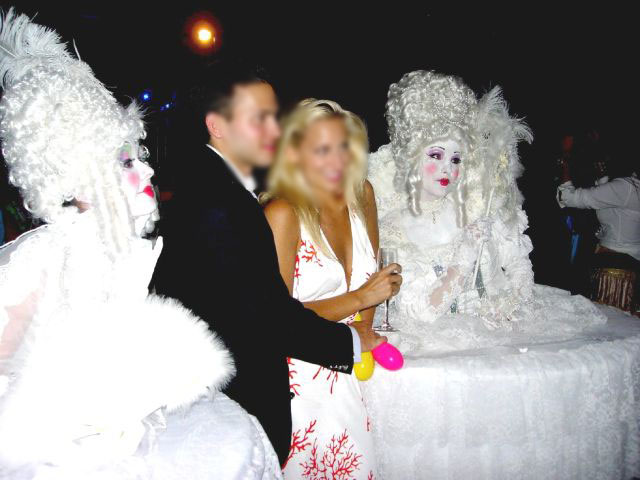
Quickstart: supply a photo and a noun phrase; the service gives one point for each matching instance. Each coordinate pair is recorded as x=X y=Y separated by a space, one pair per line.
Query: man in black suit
x=219 y=256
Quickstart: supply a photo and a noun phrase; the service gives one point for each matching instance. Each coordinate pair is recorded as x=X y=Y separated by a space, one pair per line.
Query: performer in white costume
x=98 y=379
x=447 y=196
x=503 y=378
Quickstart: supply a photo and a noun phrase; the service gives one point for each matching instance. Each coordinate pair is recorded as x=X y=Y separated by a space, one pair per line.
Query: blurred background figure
x=584 y=155
x=595 y=181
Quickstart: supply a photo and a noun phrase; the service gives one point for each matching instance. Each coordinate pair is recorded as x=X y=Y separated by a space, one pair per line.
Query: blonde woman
x=323 y=216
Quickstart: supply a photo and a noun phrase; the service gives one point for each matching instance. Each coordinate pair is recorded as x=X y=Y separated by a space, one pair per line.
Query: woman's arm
x=371 y=217
x=286 y=235
x=379 y=287
x=286 y=232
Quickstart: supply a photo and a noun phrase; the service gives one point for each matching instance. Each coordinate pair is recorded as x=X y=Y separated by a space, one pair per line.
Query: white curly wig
x=61 y=130
x=423 y=107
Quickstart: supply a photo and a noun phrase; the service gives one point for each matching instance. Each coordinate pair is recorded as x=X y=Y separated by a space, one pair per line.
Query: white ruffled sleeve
x=515 y=258
x=23 y=269
x=419 y=279
x=431 y=283
x=456 y=277
x=507 y=275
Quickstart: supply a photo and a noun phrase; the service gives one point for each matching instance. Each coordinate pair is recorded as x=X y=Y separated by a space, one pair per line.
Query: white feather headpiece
x=496 y=164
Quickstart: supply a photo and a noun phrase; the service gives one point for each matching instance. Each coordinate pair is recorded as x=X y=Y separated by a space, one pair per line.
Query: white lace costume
x=438 y=254
x=98 y=378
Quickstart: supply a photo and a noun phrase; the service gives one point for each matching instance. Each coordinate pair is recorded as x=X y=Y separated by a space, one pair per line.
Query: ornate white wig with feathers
x=423 y=107
x=61 y=130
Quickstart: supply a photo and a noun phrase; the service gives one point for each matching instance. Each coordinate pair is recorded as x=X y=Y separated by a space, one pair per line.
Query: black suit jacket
x=219 y=259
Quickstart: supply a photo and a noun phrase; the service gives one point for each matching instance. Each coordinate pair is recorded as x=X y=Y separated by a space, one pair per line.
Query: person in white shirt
x=616 y=200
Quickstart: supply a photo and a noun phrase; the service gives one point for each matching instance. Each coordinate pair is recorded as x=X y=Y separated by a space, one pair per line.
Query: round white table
x=556 y=410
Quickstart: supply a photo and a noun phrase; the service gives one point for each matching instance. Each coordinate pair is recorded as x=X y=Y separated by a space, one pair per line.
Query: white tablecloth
x=566 y=410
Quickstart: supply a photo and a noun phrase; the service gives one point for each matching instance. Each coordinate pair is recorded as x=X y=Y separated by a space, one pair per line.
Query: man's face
x=251 y=130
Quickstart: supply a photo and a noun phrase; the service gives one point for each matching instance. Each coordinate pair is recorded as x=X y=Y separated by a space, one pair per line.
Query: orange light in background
x=202 y=33
x=205 y=35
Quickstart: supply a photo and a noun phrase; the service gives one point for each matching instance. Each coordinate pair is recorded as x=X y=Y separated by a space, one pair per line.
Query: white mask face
x=136 y=180
x=440 y=169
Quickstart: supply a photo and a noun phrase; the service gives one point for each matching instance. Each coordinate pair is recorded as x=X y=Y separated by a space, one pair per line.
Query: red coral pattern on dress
x=292 y=373
x=296 y=272
x=300 y=441
x=310 y=254
x=337 y=462
x=331 y=377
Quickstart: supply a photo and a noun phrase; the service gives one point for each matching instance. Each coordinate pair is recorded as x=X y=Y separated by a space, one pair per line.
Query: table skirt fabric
x=566 y=410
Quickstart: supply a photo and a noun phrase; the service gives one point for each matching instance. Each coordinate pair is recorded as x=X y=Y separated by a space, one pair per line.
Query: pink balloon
x=388 y=356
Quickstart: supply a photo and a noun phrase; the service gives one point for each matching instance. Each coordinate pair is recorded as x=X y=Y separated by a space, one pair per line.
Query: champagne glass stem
x=386 y=314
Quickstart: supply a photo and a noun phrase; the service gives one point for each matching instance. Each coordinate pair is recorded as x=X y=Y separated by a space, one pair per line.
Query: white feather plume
x=496 y=164
x=22 y=40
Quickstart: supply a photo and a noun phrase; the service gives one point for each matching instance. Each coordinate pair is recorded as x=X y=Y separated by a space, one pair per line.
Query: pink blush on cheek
x=133 y=178
x=430 y=169
x=456 y=172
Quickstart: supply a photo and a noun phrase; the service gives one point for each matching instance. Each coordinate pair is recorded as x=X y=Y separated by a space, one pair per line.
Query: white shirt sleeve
x=612 y=194
x=357 y=349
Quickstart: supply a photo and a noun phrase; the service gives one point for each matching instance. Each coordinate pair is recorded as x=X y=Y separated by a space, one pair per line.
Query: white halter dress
x=331 y=429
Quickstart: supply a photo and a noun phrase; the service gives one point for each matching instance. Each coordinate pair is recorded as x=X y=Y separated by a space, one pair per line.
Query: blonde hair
x=285 y=181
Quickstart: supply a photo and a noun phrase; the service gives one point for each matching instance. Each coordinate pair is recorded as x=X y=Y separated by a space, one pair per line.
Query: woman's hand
x=381 y=286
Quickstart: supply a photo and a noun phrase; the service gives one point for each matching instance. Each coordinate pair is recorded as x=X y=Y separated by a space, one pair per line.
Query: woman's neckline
x=332 y=251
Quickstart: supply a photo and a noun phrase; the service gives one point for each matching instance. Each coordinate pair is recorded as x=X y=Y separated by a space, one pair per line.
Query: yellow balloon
x=364 y=369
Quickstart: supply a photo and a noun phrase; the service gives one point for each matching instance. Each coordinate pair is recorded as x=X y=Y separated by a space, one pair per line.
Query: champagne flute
x=386 y=256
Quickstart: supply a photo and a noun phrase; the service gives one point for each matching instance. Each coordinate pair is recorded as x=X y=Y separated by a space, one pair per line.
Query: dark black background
x=564 y=69
x=560 y=67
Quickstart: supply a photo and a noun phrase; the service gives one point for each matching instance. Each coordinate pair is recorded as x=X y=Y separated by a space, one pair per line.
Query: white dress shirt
x=617 y=205
x=250 y=184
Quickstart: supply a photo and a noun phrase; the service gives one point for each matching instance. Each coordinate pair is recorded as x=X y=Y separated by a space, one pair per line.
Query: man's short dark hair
x=214 y=89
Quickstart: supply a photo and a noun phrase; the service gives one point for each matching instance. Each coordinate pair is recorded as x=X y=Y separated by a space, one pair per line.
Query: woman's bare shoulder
x=282 y=217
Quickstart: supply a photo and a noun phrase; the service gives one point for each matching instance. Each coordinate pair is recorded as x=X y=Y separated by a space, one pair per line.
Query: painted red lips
x=444 y=182
x=149 y=191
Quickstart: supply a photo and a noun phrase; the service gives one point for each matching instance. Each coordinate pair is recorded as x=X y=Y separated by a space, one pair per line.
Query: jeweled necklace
x=432 y=207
